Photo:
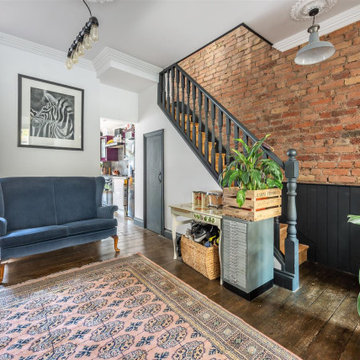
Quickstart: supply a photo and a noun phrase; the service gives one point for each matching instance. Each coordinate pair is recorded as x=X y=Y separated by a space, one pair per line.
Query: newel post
x=291 y=241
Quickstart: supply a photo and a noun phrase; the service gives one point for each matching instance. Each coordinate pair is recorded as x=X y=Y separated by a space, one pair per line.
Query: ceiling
x=158 y=32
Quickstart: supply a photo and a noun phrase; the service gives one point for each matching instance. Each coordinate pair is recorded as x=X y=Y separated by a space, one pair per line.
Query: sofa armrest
x=3 y=226
x=106 y=212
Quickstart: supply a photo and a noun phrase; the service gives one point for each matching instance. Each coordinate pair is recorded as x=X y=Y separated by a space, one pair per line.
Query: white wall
x=21 y=161
x=183 y=171
x=118 y=104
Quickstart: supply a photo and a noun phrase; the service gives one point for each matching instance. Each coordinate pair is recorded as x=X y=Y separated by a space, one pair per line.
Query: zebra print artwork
x=51 y=114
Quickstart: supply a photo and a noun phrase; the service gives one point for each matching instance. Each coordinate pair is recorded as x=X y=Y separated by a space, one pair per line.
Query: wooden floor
x=319 y=321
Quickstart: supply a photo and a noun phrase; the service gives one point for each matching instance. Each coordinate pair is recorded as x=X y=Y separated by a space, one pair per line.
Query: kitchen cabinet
x=119 y=188
x=107 y=153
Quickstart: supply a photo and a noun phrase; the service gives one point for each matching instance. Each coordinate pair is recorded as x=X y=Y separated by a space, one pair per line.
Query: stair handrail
x=227 y=113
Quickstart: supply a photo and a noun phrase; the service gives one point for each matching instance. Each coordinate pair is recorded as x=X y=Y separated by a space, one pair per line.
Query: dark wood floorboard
x=319 y=321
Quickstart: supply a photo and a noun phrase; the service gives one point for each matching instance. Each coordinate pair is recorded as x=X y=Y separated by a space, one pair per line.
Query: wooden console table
x=206 y=215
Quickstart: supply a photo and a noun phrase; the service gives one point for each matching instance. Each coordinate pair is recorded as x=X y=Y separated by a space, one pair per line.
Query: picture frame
x=50 y=115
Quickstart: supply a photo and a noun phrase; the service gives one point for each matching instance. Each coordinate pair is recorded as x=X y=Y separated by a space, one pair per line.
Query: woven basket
x=203 y=259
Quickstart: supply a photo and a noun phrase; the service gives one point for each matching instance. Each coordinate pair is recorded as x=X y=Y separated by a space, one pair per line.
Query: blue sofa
x=41 y=214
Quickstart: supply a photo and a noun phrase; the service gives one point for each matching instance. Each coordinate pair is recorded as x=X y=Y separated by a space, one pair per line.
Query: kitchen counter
x=115 y=176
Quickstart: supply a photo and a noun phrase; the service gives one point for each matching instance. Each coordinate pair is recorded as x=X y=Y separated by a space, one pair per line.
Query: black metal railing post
x=291 y=241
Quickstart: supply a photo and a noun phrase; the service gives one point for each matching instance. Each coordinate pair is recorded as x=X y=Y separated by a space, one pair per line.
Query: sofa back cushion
x=75 y=199
x=27 y=202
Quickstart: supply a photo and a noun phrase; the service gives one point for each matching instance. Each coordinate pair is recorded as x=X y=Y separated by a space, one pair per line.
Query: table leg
x=173 y=230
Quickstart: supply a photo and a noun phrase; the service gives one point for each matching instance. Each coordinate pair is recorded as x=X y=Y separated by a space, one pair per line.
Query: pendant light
x=88 y=34
x=315 y=51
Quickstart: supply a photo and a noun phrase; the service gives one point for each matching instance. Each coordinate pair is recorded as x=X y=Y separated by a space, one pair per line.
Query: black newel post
x=291 y=242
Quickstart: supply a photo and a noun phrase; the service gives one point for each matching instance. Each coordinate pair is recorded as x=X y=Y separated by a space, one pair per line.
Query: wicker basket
x=203 y=259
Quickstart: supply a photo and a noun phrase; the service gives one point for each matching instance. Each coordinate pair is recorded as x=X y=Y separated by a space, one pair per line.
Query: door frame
x=145 y=137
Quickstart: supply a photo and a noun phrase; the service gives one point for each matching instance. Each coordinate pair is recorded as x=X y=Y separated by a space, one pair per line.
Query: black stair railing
x=210 y=130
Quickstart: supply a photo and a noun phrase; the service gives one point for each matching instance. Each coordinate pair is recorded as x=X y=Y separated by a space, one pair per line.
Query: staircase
x=210 y=131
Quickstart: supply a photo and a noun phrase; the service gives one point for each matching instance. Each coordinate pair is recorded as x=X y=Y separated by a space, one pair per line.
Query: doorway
x=154 y=181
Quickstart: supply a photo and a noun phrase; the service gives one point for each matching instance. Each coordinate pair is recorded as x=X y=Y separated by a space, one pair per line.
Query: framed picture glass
x=50 y=114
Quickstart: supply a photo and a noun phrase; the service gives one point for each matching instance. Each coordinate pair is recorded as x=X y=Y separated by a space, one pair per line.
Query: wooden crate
x=259 y=204
x=203 y=259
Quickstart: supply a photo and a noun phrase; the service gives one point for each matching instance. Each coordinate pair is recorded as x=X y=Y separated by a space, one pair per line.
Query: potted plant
x=252 y=185
x=355 y=219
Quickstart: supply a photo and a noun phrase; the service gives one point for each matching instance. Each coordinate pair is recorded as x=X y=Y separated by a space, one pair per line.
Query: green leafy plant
x=355 y=219
x=250 y=171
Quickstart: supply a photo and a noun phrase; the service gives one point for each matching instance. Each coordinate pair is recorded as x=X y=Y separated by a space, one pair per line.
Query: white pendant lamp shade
x=315 y=51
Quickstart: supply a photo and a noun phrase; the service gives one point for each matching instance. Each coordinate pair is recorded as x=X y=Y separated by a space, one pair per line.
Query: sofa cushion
x=27 y=202
x=33 y=235
x=90 y=225
x=75 y=199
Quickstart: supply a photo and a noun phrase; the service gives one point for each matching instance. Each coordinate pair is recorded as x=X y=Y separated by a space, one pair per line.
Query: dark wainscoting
x=322 y=224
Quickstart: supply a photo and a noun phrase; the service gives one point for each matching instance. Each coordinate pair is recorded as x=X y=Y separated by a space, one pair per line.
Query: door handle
x=160 y=177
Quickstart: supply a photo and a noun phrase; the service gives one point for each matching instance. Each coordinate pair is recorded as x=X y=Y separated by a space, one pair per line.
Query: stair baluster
x=220 y=149
x=206 y=108
x=200 y=122
x=228 y=133
x=168 y=90
x=193 y=115
x=246 y=141
x=236 y=136
x=213 y=110
x=177 y=73
x=183 y=103
x=188 y=84
x=173 y=95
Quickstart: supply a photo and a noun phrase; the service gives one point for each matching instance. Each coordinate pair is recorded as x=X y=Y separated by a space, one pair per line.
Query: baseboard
x=139 y=222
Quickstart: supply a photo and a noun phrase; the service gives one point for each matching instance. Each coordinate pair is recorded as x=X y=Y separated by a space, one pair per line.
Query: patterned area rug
x=126 y=308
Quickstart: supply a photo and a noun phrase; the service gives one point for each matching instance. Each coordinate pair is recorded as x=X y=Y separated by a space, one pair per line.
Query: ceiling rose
x=300 y=11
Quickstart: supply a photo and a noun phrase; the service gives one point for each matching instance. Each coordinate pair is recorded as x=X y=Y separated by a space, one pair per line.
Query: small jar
x=204 y=199
x=196 y=198
x=215 y=198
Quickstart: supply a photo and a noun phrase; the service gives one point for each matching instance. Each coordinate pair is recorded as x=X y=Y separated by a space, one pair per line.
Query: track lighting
x=88 y=34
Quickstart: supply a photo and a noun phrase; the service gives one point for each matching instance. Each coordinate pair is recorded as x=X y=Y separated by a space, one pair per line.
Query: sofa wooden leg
x=2 y=268
x=116 y=238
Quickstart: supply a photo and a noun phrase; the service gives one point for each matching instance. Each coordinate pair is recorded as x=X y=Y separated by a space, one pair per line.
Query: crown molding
x=336 y=22
x=109 y=57
x=42 y=50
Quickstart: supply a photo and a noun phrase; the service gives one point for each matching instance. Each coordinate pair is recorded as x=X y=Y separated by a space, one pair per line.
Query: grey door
x=153 y=181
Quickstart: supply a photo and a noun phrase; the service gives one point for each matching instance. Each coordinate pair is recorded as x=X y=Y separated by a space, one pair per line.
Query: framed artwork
x=50 y=115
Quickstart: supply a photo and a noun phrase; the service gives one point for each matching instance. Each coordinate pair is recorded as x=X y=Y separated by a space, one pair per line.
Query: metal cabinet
x=247 y=251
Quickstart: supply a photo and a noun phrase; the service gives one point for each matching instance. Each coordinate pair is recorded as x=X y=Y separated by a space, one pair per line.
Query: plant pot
x=259 y=204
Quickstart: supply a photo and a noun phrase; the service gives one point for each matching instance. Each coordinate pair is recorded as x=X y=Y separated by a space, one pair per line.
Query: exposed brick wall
x=314 y=109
